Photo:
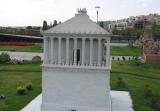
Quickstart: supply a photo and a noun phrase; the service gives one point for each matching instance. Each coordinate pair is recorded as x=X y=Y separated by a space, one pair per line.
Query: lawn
x=9 y=81
x=125 y=51
x=136 y=77
x=135 y=84
x=34 y=48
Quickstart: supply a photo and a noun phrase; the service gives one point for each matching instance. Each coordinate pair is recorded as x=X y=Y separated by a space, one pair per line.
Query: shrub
x=36 y=58
x=29 y=86
x=4 y=58
x=21 y=90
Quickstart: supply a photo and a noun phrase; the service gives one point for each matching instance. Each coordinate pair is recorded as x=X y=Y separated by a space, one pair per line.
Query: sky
x=33 y=12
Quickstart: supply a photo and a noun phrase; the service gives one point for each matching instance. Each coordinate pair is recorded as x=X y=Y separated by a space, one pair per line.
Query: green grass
x=31 y=66
x=135 y=86
x=9 y=81
x=151 y=70
x=125 y=51
x=33 y=48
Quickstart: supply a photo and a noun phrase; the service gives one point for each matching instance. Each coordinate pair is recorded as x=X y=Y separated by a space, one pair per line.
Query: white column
x=83 y=51
x=91 y=52
x=67 y=51
x=45 y=50
x=52 y=50
x=75 y=51
x=59 y=50
x=48 y=50
x=108 y=53
x=99 y=51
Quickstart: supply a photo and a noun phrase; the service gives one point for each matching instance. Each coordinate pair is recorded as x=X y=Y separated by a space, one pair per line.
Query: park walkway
x=30 y=55
x=23 y=55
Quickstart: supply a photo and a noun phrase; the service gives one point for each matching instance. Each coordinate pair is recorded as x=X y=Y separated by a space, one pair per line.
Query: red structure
x=19 y=40
x=152 y=58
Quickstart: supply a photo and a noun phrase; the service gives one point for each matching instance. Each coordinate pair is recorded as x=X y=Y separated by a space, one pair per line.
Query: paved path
x=119 y=44
x=23 y=55
x=121 y=101
x=30 y=55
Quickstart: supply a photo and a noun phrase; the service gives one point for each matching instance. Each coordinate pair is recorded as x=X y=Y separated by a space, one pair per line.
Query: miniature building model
x=76 y=66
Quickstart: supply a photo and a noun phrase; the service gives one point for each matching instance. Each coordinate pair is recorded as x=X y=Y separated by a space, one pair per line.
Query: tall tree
x=59 y=22
x=101 y=24
x=55 y=23
x=45 y=26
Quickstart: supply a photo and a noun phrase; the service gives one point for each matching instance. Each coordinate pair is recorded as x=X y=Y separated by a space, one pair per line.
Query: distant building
x=118 y=26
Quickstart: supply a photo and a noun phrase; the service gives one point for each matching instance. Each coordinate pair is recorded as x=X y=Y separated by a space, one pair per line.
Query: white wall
x=65 y=88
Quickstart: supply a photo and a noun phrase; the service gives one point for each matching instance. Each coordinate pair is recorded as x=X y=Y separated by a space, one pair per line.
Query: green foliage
x=121 y=85
x=101 y=24
x=155 y=102
x=45 y=26
x=4 y=58
x=10 y=30
x=29 y=86
x=156 y=30
x=147 y=91
x=55 y=23
x=21 y=90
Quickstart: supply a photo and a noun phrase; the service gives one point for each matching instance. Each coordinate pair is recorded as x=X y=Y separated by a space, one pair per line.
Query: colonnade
x=49 y=50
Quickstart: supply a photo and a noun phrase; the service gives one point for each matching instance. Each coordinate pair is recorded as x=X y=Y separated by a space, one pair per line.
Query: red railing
x=16 y=43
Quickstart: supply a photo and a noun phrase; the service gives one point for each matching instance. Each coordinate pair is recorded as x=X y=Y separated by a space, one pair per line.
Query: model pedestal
x=75 y=89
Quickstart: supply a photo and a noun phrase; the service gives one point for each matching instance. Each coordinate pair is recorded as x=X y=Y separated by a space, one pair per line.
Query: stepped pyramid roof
x=79 y=24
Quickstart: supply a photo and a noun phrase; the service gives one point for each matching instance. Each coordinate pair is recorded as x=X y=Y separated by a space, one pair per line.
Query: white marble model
x=76 y=67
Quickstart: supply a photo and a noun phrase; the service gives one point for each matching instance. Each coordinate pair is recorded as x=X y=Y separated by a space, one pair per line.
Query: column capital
x=99 y=39
x=59 y=38
x=91 y=38
x=83 y=38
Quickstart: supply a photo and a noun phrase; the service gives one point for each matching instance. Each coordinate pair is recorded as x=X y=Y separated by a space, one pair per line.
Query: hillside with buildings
x=133 y=25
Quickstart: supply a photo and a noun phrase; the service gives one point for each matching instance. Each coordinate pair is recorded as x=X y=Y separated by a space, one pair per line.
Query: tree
x=55 y=23
x=29 y=27
x=101 y=24
x=4 y=58
x=45 y=26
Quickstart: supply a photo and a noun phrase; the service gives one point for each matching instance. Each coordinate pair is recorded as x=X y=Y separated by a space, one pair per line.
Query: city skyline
x=33 y=12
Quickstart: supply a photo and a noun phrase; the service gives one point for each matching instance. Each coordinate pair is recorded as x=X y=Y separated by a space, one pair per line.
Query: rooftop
x=79 y=24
